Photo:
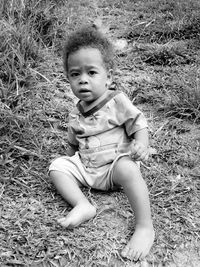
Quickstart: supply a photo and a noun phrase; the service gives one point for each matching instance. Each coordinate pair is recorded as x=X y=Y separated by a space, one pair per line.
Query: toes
x=144 y=263
x=137 y=256
x=63 y=222
x=125 y=251
x=131 y=254
x=142 y=256
x=134 y=255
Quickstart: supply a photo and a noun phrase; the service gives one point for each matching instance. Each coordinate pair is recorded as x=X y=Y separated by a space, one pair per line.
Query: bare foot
x=79 y=214
x=140 y=243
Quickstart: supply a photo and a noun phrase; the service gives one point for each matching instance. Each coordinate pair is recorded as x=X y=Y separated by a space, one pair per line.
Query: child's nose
x=83 y=78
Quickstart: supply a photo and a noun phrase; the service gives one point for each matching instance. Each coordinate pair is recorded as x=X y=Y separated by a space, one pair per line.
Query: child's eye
x=92 y=72
x=74 y=74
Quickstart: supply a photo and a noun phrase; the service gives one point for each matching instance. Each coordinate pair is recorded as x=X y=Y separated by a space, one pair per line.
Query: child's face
x=87 y=74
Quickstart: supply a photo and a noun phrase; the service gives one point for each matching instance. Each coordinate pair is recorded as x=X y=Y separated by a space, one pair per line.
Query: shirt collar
x=96 y=105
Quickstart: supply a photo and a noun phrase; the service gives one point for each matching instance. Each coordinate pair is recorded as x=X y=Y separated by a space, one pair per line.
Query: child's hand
x=139 y=151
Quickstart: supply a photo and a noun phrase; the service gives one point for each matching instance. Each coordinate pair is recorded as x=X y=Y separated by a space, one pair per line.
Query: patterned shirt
x=105 y=130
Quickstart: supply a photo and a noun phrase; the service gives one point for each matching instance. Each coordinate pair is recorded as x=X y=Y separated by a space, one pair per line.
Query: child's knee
x=125 y=165
x=125 y=170
x=59 y=165
x=53 y=174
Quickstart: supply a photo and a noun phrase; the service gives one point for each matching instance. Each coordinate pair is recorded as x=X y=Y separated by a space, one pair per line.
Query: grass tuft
x=171 y=21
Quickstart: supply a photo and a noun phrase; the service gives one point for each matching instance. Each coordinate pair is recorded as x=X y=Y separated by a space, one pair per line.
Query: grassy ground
x=159 y=70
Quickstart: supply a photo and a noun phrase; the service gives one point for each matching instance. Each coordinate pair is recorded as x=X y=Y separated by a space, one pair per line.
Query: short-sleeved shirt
x=105 y=130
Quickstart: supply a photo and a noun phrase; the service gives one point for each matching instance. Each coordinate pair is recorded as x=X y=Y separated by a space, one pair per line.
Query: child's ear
x=109 y=77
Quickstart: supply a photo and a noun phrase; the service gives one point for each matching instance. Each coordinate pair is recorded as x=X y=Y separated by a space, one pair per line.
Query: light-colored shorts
x=99 y=178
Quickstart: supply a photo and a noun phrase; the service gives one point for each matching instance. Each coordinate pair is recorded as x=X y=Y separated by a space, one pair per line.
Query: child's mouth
x=84 y=91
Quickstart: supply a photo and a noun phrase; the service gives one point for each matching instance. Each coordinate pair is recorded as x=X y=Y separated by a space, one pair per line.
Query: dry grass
x=159 y=70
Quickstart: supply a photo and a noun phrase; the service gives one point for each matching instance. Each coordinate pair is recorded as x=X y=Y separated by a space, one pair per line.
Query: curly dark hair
x=89 y=36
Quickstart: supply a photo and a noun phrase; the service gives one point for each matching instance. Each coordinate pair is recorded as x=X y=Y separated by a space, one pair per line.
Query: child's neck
x=87 y=106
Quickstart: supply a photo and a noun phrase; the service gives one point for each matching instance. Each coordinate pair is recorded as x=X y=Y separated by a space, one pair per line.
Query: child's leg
x=69 y=188
x=128 y=175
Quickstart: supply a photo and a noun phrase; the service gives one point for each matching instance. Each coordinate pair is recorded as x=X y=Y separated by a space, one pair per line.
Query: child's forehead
x=87 y=55
x=88 y=50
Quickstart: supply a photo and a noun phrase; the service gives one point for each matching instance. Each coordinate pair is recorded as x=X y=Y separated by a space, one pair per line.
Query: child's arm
x=135 y=125
x=71 y=150
x=72 y=142
x=139 y=145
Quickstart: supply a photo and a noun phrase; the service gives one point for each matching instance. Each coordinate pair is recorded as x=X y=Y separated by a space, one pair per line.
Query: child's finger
x=142 y=157
x=137 y=149
x=145 y=158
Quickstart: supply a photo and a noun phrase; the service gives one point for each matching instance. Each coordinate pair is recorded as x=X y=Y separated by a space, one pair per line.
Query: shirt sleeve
x=127 y=114
x=72 y=141
x=72 y=138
